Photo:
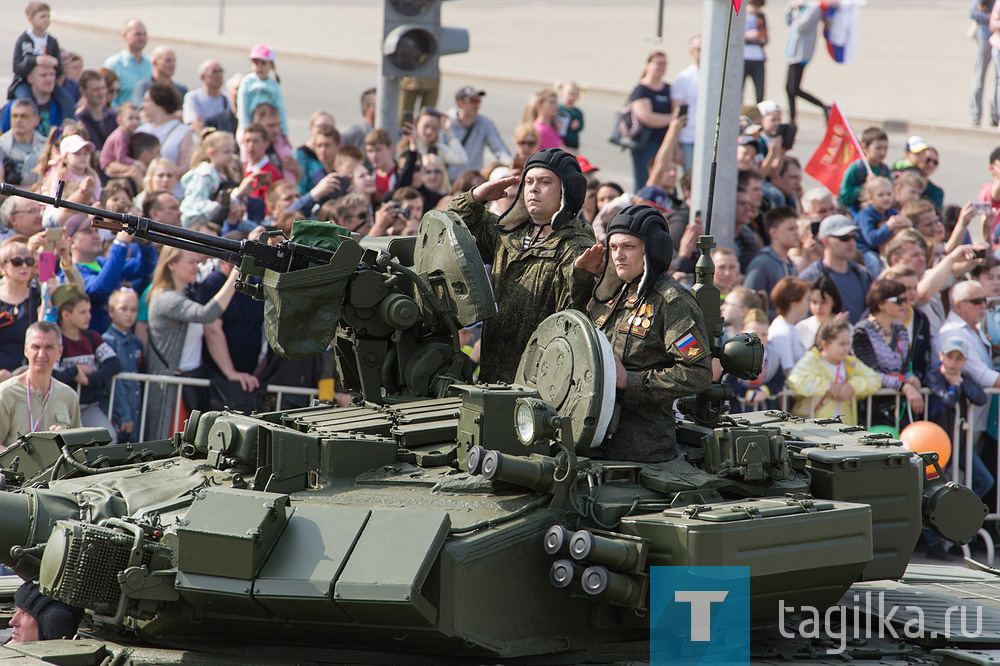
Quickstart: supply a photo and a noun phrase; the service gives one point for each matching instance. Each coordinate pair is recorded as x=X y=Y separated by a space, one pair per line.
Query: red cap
x=585 y=165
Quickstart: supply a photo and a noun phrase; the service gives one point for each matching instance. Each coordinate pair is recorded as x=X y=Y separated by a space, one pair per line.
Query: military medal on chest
x=638 y=322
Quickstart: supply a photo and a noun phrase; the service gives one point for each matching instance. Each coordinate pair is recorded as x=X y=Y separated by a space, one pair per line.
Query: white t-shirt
x=685 y=91
x=191 y=351
x=39 y=43
x=806 y=330
x=782 y=338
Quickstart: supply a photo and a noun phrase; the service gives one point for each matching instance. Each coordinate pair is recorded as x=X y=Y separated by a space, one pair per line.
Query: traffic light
x=413 y=38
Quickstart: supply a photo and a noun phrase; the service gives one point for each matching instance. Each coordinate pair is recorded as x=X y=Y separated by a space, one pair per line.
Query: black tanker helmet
x=54 y=618
x=574 y=186
x=648 y=225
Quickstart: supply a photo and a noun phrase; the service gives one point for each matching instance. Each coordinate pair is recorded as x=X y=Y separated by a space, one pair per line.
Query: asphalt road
x=310 y=84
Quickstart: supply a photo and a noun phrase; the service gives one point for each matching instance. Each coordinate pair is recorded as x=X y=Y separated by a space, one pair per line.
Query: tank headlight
x=534 y=420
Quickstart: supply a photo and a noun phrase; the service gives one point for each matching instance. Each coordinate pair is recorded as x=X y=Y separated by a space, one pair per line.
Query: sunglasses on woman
x=17 y=262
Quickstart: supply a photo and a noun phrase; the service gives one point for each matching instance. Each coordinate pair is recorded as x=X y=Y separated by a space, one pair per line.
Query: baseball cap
x=262 y=52
x=655 y=196
x=954 y=344
x=585 y=165
x=76 y=223
x=747 y=140
x=767 y=106
x=500 y=172
x=65 y=292
x=468 y=91
x=74 y=143
x=916 y=144
x=836 y=225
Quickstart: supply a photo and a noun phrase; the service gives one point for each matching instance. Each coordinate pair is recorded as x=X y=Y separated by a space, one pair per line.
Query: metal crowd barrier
x=180 y=383
x=962 y=439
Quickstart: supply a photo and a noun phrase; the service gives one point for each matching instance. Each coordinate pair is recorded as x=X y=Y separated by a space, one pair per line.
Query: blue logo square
x=699 y=615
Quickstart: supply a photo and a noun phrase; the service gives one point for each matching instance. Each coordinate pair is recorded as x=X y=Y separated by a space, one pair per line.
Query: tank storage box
x=797 y=550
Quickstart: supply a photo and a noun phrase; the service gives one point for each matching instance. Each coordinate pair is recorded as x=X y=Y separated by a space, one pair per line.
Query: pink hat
x=262 y=52
x=74 y=143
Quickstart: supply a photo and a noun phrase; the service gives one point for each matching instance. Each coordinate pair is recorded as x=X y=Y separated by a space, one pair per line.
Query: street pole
x=387 y=105
x=222 y=15
x=715 y=27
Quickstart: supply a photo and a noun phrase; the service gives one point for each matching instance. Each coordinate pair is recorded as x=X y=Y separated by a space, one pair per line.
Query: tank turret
x=437 y=518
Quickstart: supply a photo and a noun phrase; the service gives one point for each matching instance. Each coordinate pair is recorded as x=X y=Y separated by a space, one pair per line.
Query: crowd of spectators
x=875 y=286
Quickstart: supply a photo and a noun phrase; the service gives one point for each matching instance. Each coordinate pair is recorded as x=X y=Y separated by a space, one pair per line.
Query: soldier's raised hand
x=493 y=189
x=592 y=260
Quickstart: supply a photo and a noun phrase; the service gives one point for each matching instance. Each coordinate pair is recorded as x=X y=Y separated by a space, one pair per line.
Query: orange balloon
x=924 y=437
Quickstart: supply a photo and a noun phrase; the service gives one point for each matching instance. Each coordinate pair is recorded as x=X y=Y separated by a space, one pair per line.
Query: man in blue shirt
x=837 y=234
x=41 y=84
x=101 y=276
x=129 y=64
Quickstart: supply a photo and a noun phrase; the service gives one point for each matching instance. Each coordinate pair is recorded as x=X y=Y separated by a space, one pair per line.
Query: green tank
x=438 y=520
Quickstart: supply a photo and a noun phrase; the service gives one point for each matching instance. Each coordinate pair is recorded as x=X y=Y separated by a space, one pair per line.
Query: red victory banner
x=836 y=152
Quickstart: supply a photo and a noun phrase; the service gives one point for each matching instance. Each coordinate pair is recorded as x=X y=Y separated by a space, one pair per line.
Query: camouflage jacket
x=529 y=285
x=664 y=346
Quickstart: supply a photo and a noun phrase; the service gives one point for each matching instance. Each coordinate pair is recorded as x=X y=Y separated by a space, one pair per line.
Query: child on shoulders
x=878 y=222
x=875 y=145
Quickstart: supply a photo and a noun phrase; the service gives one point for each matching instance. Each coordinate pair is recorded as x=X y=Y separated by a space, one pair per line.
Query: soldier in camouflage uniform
x=532 y=248
x=656 y=330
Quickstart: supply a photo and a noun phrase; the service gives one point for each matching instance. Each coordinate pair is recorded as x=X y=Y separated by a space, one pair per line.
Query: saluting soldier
x=656 y=330
x=532 y=248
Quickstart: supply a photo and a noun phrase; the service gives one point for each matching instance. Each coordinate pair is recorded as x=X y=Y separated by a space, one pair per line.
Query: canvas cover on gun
x=302 y=308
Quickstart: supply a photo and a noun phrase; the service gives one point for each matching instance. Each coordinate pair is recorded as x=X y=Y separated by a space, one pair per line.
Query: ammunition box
x=350 y=455
x=885 y=477
x=229 y=532
x=797 y=551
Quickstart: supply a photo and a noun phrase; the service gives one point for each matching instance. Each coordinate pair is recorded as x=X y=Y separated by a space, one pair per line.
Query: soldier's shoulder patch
x=689 y=347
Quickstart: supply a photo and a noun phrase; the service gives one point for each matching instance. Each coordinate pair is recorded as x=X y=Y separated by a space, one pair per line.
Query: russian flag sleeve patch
x=688 y=346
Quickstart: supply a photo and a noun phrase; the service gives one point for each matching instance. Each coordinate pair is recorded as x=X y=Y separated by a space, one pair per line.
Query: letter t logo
x=701 y=610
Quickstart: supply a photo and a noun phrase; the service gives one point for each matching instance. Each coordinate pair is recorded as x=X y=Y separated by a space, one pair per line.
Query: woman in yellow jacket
x=828 y=379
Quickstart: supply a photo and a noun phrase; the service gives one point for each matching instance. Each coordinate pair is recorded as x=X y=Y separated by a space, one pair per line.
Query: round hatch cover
x=571 y=365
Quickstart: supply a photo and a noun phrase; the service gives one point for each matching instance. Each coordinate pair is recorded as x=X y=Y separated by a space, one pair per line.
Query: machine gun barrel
x=283 y=257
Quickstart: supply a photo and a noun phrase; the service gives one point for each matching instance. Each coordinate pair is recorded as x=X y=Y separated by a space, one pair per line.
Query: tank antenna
x=718 y=125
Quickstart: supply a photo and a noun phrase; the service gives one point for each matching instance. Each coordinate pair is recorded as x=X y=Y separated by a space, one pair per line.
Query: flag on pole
x=840 y=29
x=736 y=5
x=839 y=148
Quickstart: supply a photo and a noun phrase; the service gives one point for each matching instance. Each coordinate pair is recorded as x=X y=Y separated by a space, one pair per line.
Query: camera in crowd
x=398 y=208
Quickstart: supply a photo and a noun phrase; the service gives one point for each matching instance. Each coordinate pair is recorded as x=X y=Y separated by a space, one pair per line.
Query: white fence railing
x=963 y=439
x=181 y=382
